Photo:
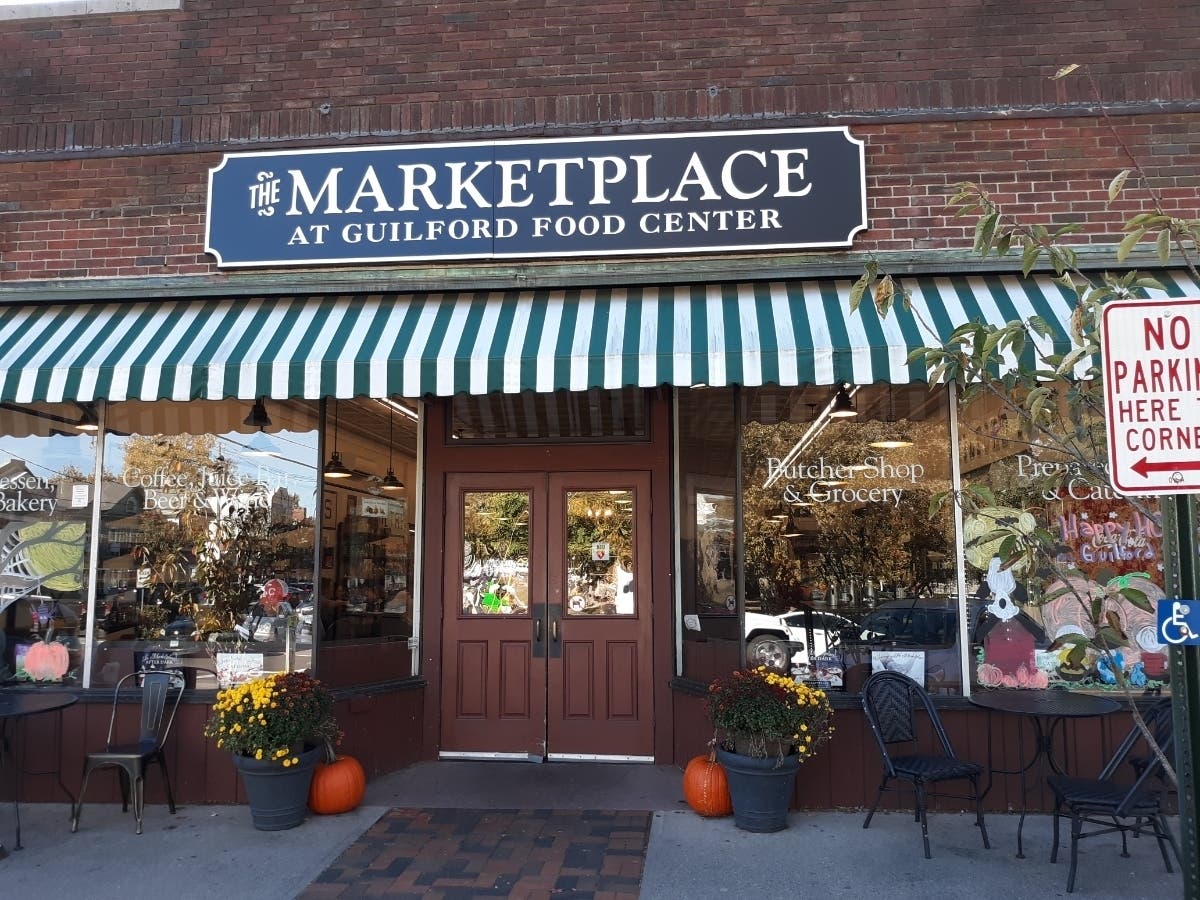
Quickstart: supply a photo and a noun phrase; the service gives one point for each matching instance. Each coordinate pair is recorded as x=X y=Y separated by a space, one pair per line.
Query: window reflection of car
x=926 y=624
x=781 y=642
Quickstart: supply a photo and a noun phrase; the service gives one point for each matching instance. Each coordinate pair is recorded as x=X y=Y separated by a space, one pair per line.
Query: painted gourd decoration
x=705 y=787
x=47 y=661
x=337 y=786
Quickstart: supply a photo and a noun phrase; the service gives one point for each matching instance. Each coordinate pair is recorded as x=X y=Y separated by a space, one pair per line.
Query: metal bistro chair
x=890 y=701
x=161 y=692
x=1113 y=806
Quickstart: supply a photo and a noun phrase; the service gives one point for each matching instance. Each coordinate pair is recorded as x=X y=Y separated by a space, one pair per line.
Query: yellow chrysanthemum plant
x=274 y=717
x=760 y=713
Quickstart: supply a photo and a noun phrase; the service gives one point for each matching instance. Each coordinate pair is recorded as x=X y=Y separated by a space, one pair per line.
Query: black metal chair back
x=162 y=690
x=891 y=702
x=1110 y=804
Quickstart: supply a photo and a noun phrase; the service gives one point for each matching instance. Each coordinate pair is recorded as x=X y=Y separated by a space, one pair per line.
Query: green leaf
x=1029 y=256
x=856 y=291
x=984 y=493
x=936 y=502
x=1128 y=243
x=1164 y=246
x=1114 y=186
x=1138 y=599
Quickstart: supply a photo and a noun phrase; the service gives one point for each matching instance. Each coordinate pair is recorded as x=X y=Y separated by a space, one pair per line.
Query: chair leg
x=878 y=797
x=1163 y=833
x=139 y=795
x=1054 y=846
x=162 y=764
x=77 y=806
x=124 y=778
x=1076 y=828
x=1124 y=838
x=922 y=818
x=979 y=813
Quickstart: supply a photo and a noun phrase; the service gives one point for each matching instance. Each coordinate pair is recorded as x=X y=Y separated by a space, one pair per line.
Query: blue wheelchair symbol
x=1179 y=621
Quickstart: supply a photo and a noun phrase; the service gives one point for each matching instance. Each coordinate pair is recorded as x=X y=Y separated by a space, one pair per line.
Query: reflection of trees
x=496 y=527
x=595 y=517
x=846 y=541
x=216 y=538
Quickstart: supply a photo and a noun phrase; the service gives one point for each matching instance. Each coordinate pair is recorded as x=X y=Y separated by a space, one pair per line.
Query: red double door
x=546 y=625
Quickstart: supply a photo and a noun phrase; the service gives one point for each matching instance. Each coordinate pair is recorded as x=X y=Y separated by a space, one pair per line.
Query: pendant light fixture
x=88 y=420
x=390 y=481
x=335 y=468
x=258 y=417
x=843 y=405
x=790 y=529
x=897 y=438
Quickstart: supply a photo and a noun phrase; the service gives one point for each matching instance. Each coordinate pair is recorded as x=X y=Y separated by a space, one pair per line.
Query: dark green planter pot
x=278 y=797
x=761 y=789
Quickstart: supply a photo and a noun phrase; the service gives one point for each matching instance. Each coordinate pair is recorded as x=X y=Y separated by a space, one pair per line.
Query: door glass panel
x=600 y=553
x=495 y=553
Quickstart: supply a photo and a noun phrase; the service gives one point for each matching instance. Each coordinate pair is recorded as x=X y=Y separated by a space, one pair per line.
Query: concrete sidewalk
x=214 y=852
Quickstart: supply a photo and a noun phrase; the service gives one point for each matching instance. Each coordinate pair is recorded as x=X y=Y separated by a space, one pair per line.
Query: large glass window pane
x=367 y=530
x=46 y=496
x=846 y=571
x=495 y=553
x=708 y=548
x=208 y=545
x=600 y=563
x=1037 y=627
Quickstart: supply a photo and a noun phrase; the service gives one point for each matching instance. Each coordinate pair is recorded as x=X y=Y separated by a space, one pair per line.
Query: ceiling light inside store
x=894 y=443
x=843 y=405
x=258 y=417
x=335 y=468
x=88 y=420
x=390 y=481
x=896 y=437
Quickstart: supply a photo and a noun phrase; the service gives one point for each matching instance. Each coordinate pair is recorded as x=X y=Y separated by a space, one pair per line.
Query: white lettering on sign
x=1152 y=394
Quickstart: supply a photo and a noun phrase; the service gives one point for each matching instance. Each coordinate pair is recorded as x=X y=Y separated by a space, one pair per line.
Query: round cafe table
x=15 y=705
x=1048 y=709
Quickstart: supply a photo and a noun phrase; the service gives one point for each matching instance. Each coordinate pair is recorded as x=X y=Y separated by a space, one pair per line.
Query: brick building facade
x=111 y=122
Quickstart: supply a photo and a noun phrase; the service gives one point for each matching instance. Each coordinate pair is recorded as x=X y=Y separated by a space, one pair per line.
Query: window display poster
x=906 y=662
x=238 y=668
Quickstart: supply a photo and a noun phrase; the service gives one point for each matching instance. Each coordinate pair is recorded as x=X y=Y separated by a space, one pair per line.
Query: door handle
x=537 y=630
x=554 y=630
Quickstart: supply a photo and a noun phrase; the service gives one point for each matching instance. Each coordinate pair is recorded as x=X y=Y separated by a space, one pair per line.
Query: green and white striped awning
x=781 y=332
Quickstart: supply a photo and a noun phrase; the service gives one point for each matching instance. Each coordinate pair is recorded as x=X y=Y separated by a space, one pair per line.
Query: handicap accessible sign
x=1179 y=622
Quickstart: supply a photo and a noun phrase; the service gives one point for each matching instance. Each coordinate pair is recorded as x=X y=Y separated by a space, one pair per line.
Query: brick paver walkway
x=455 y=854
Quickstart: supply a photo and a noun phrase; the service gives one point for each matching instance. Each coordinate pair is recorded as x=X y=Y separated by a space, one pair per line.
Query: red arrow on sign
x=1144 y=467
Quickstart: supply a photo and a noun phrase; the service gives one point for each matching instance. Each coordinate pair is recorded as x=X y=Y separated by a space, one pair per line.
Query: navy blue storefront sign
x=682 y=193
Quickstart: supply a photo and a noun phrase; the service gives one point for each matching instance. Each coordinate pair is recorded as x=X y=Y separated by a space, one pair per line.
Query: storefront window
x=600 y=563
x=46 y=502
x=208 y=539
x=846 y=570
x=367 y=528
x=1038 y=625
x=496 y=553
x=708 y=544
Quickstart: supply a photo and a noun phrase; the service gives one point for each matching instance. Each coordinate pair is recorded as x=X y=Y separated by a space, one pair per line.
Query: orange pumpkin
x=705 y=787
x=337 y=787
x=47 y=661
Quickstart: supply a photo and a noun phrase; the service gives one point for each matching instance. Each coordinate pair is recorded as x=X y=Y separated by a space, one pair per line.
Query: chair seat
x=1101 y=795
x=934 y=768
x=123 y=751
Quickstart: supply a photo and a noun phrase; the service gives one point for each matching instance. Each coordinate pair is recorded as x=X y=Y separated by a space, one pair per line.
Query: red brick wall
x=534 y=62
x=144 y=215
x=108 y=124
